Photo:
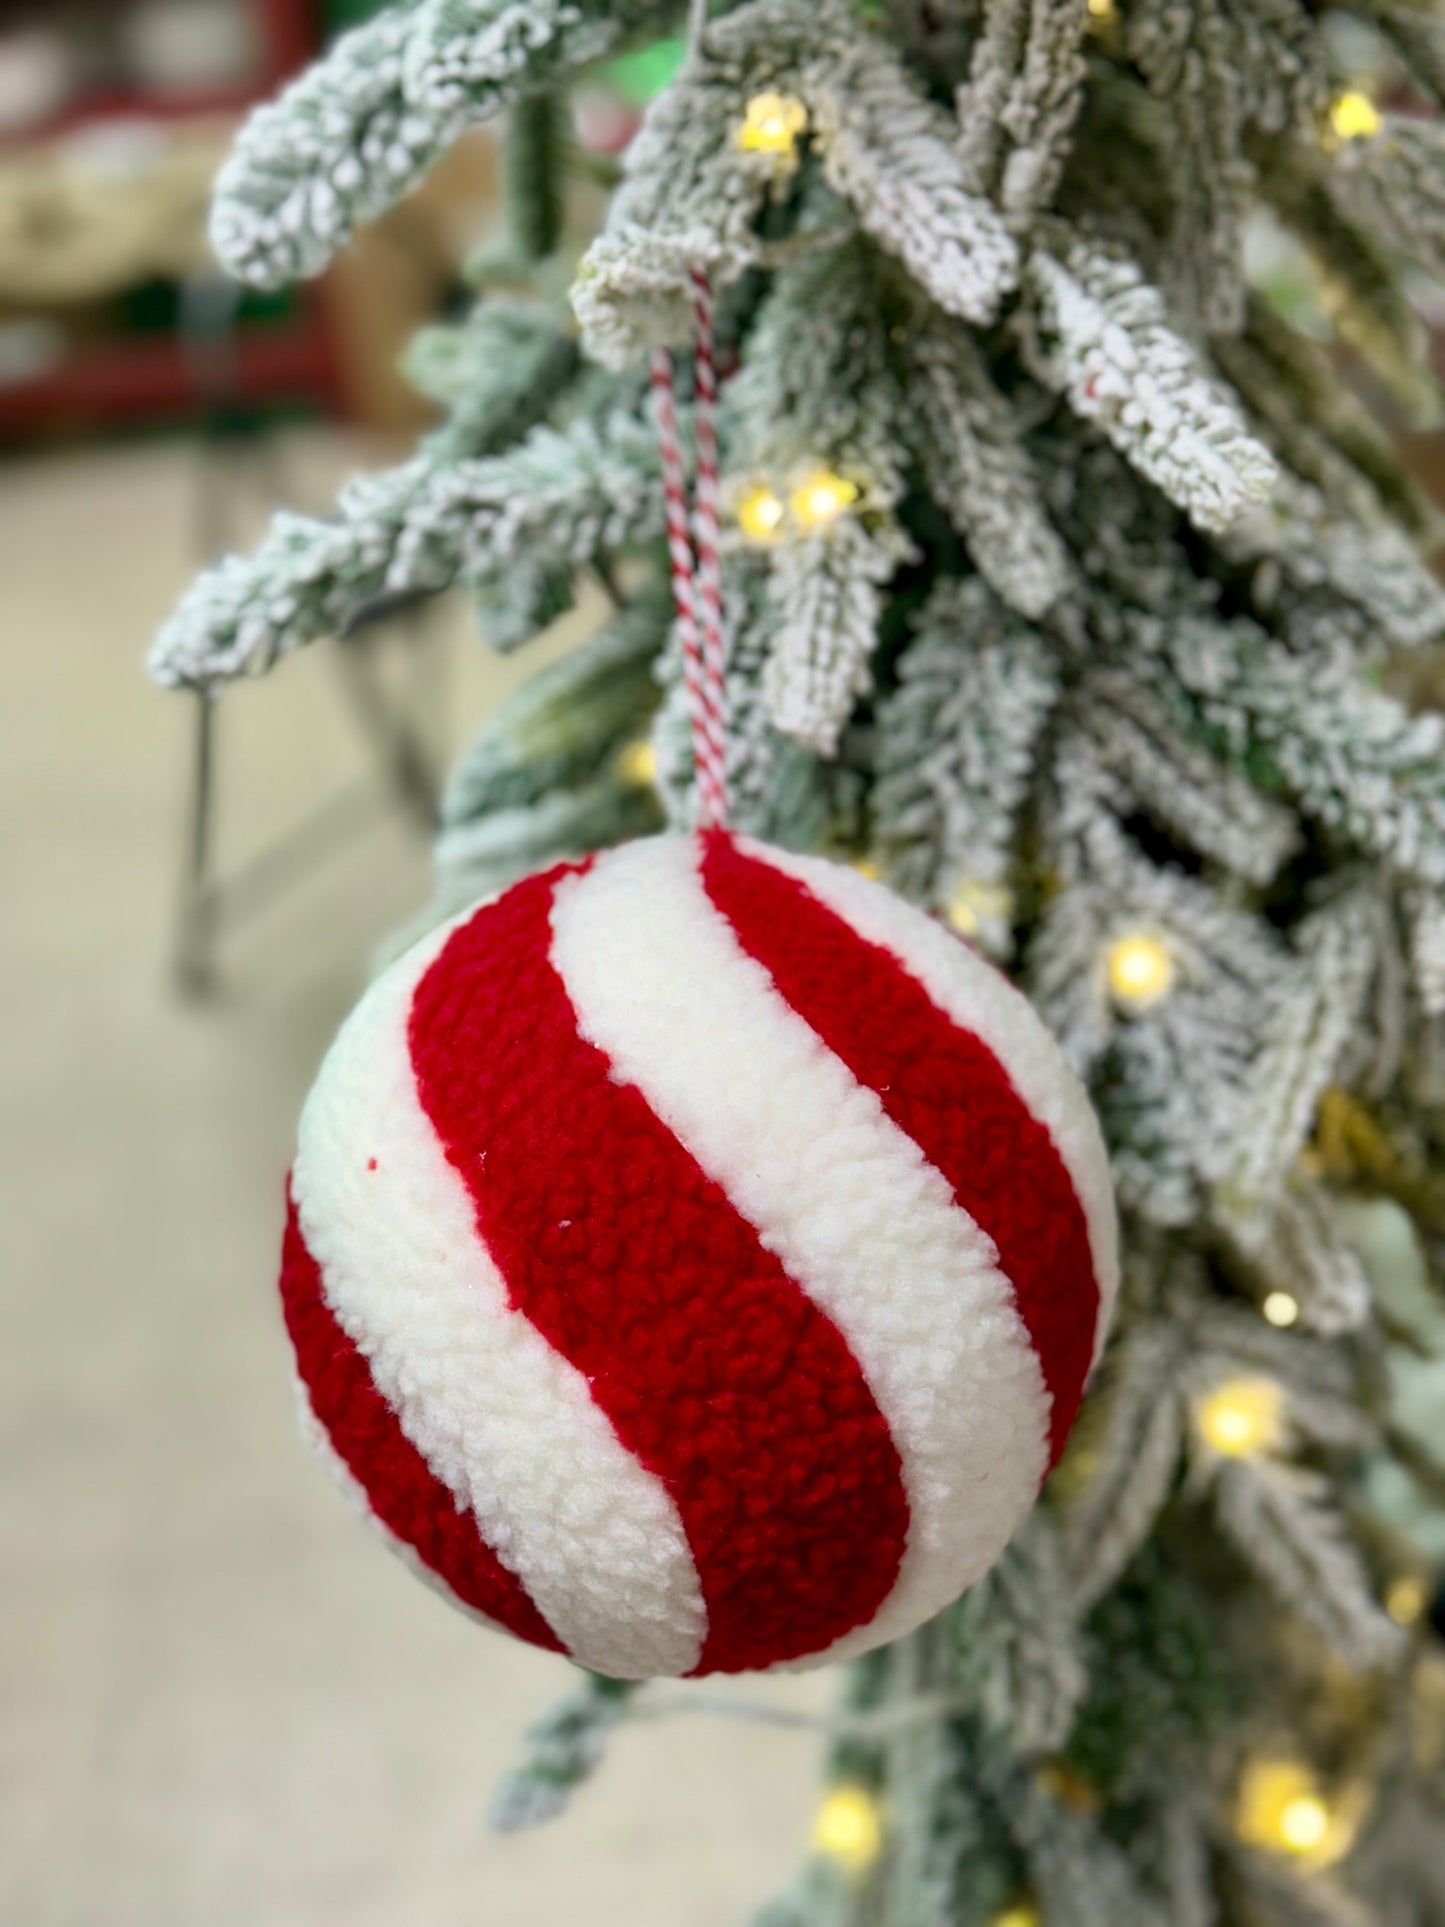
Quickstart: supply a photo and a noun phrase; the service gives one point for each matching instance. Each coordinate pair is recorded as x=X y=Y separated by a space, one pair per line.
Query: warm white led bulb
x=1140 y=968
x=773 y=124
x=1241 y=1418
x=1406 y=1599
x=761 y=513
x=637 y=765
x=1303 y=1823
x=975 y=904
x=1354 y=116
x=819 y=498
x=849 y=1828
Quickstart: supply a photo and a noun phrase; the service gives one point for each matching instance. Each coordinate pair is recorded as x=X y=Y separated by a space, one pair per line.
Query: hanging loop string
x=705 y=529
x=697 y=572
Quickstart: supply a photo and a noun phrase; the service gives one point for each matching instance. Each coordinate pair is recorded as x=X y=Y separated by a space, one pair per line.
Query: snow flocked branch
x=819 y=389
x=571 y=493
x=1106 y=341
x=689 y=196
x=980 y=475
x=1352 y=757
x=829 y=591
x=356 y=131
x=957 y=743
x=1018 y=106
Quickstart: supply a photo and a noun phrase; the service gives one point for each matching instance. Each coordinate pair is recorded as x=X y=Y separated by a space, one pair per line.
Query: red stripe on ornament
x=941 y=1085
x=716 y=1371
x=403 y=1491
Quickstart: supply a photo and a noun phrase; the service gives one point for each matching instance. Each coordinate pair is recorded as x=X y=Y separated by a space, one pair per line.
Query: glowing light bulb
x=1406 y=1599
x=1021 y=1914
x=973 y=904
x=1304 y=1823
x=1242 y=1418
x=761 y=513
x=773 y=124
x=1105 y=12
x=1354 y=116
x=637 y=765
x=866 y=867
x=1283 y=1808
x=820 y=498
x=1070 y=1789
x=1281 y=1309
x=849 y=1828
x=1140 y=970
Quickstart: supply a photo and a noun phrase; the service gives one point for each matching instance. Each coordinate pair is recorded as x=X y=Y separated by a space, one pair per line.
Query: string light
x=866 y=867
x=1427 y=1711
x=761 y=513
x=849 y=1828
x=1072 y=1791
x=1022 y=1914
x=637 y=765
x=1354 y=116
x=1406 y=1599
x=819 y=498
x=1241 y=1418
x=1076 y=1469
x=815 y=501
x=773 y=125
x=1281 y=1309
x=1283 y=1809
x=1140 y=969
x=1103 y=12
x=1304 y=1824
x=974 y=904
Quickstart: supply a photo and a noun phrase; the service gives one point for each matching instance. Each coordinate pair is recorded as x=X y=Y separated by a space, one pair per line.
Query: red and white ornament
x=695 y=1258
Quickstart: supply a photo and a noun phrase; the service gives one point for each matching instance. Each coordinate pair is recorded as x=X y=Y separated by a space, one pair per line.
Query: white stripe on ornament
x=319 y=1440
x=861 y=1222
x=506 y=1423
x=982 y=1000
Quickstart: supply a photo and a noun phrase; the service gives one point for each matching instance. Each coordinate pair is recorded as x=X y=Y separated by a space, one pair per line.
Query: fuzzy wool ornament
x=695 y=1258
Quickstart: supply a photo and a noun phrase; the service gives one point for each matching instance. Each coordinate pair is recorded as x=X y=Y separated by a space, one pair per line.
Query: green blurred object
x=153 y=307
x=338 y=15
x=639 y=77
x=534 y=170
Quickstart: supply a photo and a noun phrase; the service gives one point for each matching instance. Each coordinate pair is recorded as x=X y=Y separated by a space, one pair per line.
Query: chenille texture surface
x=694 y=1259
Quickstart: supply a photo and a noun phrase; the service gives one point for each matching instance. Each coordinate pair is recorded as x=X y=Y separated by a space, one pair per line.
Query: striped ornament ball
x=695 y=1257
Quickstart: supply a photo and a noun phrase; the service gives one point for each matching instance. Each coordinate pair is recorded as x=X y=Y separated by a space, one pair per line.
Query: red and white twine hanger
x=694 y=555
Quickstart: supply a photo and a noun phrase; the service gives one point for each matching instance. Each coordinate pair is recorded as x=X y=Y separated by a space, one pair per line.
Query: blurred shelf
x=102 y=110
x=127 y=377
x=286 y=34
x=141 y=378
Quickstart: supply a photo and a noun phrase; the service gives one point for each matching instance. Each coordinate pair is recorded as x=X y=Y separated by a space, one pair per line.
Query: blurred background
x=220 y=1701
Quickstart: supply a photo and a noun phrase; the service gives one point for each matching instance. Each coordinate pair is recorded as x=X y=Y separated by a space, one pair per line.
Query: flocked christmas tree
x=1064 y=582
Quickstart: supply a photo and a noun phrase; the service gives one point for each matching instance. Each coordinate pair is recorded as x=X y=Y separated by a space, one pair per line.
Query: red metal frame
x=133 y=378
x=290 y=31
x=141 y=378
x=94 y=110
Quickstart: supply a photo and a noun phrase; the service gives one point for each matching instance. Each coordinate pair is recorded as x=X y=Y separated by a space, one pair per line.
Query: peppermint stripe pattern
x=407 y=1498
x=696 y=1258
x=613 y=1241
x=1000 y=1163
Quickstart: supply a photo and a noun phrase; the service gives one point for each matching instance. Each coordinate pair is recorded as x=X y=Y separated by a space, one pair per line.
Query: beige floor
x=220 y=1702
